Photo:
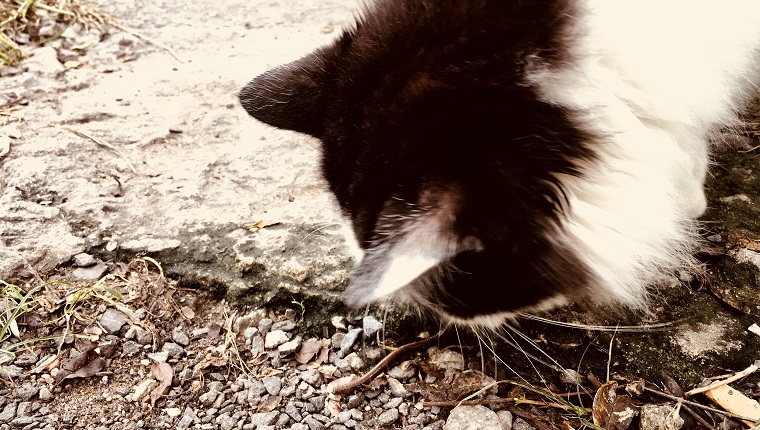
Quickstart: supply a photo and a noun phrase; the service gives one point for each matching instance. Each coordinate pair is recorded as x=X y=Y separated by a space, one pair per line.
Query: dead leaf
x=164 y=373
x=81 y=365
x=73 y=64
x=211 y=361
x=378 y=383
x=735 y=402
x=309 y=348
x=269 y=404
x=612 y=411
x=261 y=224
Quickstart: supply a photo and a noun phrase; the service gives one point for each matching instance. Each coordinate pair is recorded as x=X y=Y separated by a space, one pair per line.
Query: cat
x=503 y=156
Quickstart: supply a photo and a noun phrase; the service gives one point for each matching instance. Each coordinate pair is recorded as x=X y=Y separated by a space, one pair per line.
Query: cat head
x=441 y=154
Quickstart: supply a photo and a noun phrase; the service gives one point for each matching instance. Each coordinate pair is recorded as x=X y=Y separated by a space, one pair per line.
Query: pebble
x=397 y=388
x=180 y=337
x=172 y=349
x=26 y=392
x=289 y=347
x=8 y=413
x=349 y=340
x=286 y=325
x=473 y=417
x=45 y=394
x=389 y=417
x=312 y=377
x=520 y=424
x=142 y=336
x=264 y=418
x=272 y=384
x=159 y=357
x=92 y=273
x=113 y=320
x=275 y=338
x=84 y=260
x=265 y=325
x=371 y=325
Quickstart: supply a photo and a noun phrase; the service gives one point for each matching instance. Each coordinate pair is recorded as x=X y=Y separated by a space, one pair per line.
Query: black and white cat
x=500 y=156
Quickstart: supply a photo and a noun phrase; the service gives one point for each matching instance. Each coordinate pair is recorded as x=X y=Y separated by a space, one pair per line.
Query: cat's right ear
x=290 y=96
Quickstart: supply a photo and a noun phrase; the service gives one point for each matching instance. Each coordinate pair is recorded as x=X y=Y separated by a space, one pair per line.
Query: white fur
x=651 y=79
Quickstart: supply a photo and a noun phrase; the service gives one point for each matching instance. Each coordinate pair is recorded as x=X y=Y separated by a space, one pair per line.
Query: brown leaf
x=164 y=373
x=612 y=411
x=378 y=383
x=81 y=365
x=269 y=404
x=308 y=350
x=211 y=361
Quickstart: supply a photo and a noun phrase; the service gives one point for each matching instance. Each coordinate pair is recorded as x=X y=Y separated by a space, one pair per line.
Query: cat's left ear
x=407 y=253
x=290 y=96
x=394 y=263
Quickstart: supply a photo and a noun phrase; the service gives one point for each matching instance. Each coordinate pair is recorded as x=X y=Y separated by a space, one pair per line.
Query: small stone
x=198 y=332
x=208 y=398
x=506 y=418
x=312 y=377
x=473 y=417
x=250 y=332
x=403 y=371
x=275 y=338
x=265 y=325
x=520 y=424
x=257 y=346
x=180 y=337
x=273 y=385
x=159 y=357
x=338 y=322
x=313 y=423
x=286 y=325
x=8 y=413
x=84 y=260
x=371 y=325
x=92 y=273
x=172 y=349
x=660 y=417
x=45 y=394
x=264 y=418
x=131 y=348
x=289 y=347
x=113 y=320
x=173 y=412
x=188 y=418
x=349 y=340
x=142 y=336
x=390 y=416
x=26 y=392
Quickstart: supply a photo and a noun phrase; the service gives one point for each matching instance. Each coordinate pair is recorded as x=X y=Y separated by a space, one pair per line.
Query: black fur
x=429 y=97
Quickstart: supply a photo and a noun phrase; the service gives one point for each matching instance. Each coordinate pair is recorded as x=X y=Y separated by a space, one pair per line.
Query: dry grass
x=26 y=17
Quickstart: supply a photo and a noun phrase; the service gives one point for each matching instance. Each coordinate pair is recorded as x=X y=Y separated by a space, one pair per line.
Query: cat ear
x=402 y=258
x=289 y=96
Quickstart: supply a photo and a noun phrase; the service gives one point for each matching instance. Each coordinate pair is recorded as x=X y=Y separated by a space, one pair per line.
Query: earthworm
x=350 y=386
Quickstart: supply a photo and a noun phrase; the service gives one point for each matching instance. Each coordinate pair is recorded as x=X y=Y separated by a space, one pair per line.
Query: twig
x=446 y=403
x=147 y=39
x=695 y=404
x=752 y=368
x=393 y=356
x=102 y=142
